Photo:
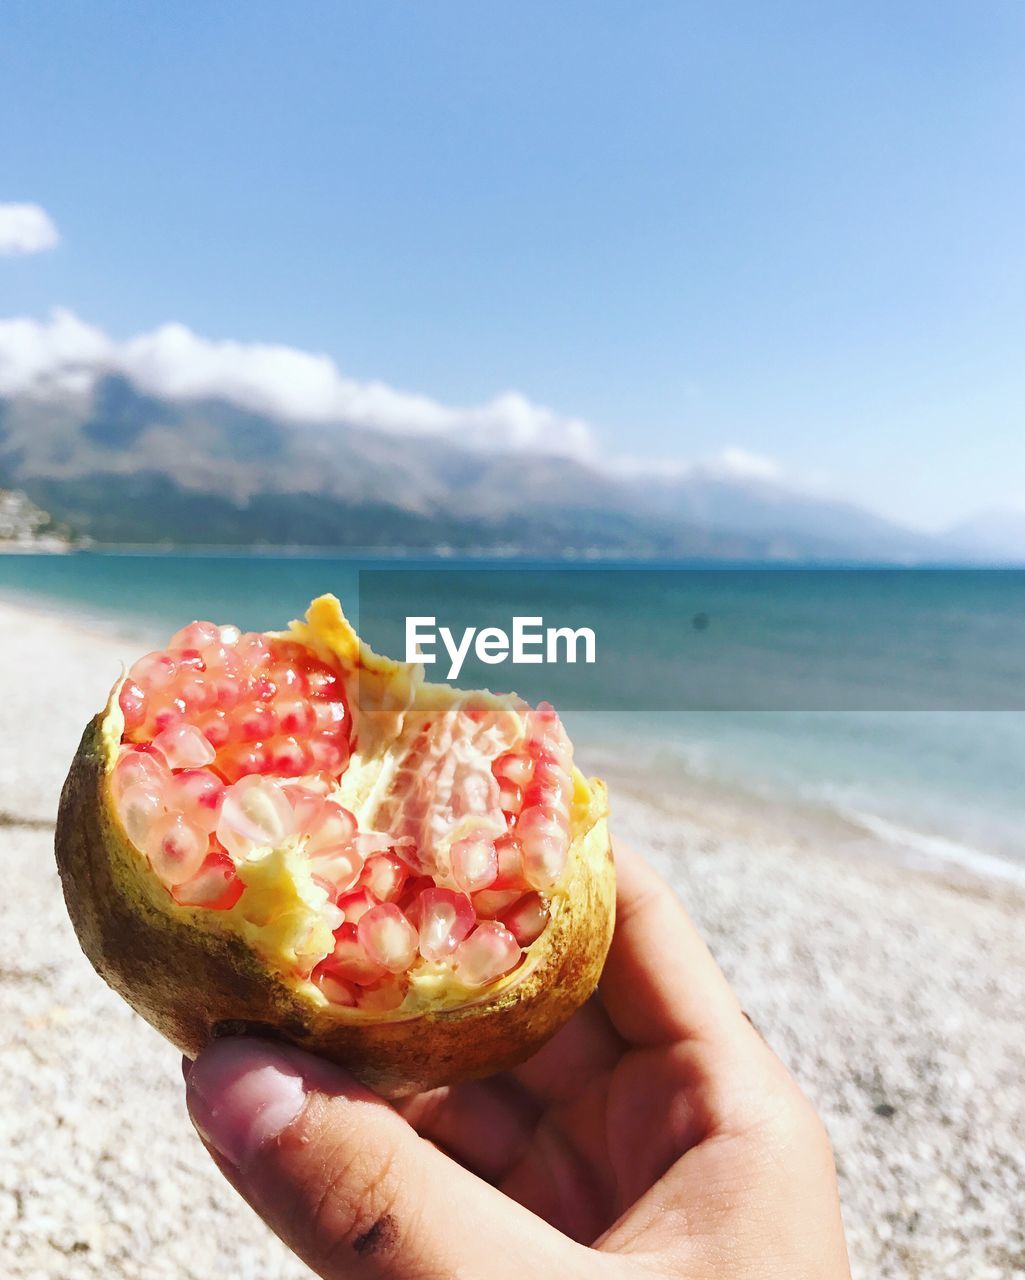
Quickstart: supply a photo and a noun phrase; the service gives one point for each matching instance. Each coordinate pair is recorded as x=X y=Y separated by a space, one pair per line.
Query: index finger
x=661 y=984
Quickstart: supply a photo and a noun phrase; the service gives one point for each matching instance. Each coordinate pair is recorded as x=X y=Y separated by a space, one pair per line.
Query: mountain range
x=116 y=465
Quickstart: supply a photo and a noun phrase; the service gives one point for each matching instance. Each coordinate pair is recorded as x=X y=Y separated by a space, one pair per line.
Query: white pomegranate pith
x=235 y=744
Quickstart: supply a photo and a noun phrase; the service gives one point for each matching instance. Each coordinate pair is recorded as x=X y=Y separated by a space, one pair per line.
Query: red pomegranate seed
x=294 y=715
x=184 y=747
x=526 y=920
x=197 y=635
x=350 y=960
x=474 y=863
x=241 y=760
x=215 y=885
x=252 y=724
x=132 y=701
x=334 y=988
x=489 y=904
x=354 y=906
x=198 y=794
x=138 y=766
x=139 y=807
x=445 y=918
x=388 y=937
x=215 y=728
x=287 y=757
x=383 y=876
x=515 y=767
x=486 y=954
x=254 y=813
x=153 y=671
x=175 y=847
x=510 y=864
x=189 y=659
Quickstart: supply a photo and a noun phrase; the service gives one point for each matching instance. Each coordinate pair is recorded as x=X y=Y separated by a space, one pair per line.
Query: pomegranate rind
x=196 y=974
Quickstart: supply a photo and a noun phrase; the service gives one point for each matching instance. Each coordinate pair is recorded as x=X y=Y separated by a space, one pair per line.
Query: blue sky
x=793 y=229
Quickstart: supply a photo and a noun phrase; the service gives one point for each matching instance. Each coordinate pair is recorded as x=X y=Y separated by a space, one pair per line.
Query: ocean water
x=892 y=700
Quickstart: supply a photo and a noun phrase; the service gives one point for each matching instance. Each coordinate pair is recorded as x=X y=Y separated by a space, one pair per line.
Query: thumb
x=345 y=1181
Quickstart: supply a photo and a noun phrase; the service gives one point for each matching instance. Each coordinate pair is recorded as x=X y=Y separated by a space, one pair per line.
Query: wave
x=934 y=850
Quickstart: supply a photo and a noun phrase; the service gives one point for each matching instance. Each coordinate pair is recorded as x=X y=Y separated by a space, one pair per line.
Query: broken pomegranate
x=303 y=835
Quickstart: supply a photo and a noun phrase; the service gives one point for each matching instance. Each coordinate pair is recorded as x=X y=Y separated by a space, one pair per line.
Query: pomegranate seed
x=254 y=813
x=139 y=806
x=140 y=767
x=288 y=757
x=388 y=937
x=334 y=988
x=322 y=682
x=515 y=767
x=189 y=659
x=328 y=754
x=331 y=827
x=261 y=688
x=289 y=679
x=215 y=728
x=294 y=715
x=198 y=692
x=328 y=716
x=198 y=794
x=490 y=903
x=253 y=724
x=229 y=636
x=350 y=960
x=474 y=863
x=215 y=885
x=510 y=797
x=242 y=760
x=153 y=671
x=184 y=747
x=486 y=954
x=227 y=692
x=132 y=701
x=306 y=802
x=253 y=650
x=445 y=920
x=175 y=847
x=527 y=919
x=197 y=635
x=383 y=876
x=338 y=867
x=510 y=863
x=354 y=906
x=544 y=843
x=165 y=715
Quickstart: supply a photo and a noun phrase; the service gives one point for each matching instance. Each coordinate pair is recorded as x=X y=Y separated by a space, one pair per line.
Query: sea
x=889 y=700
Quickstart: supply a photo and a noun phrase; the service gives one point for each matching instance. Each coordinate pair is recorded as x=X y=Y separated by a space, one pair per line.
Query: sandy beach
x=894 y=994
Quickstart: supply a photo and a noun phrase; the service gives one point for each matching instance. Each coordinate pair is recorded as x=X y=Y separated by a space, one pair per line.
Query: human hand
x=655 y=1135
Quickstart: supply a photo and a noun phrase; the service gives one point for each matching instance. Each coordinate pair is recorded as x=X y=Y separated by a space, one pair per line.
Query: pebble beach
x=895 y=995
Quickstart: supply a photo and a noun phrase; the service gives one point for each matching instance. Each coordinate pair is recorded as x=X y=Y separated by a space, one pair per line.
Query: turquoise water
x=896 y=701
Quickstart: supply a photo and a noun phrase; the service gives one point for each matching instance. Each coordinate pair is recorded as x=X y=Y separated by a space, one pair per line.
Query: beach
x=894 y=993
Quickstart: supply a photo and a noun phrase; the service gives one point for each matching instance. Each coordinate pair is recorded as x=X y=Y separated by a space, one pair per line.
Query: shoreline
x=715 y=801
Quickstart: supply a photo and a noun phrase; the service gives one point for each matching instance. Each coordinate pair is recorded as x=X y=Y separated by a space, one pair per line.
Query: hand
x=655 y=1135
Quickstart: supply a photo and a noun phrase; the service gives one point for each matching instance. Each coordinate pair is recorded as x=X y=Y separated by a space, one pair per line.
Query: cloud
x=26 y=228
x=63 y=353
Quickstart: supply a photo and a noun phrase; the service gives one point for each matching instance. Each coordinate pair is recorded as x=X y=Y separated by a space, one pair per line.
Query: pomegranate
x=290 y=834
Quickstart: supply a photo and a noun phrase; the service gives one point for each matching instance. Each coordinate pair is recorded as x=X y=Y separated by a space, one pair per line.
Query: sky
x=787 y=237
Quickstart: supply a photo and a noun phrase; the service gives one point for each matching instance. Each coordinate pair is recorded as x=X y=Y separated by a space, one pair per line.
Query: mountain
x=119 y=466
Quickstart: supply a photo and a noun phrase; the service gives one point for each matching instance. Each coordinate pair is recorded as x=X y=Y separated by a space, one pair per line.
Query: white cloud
x=64 y=353
x=26 y=228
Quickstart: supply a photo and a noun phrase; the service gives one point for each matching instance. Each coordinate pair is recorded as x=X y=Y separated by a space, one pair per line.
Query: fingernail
x=241 y=1095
